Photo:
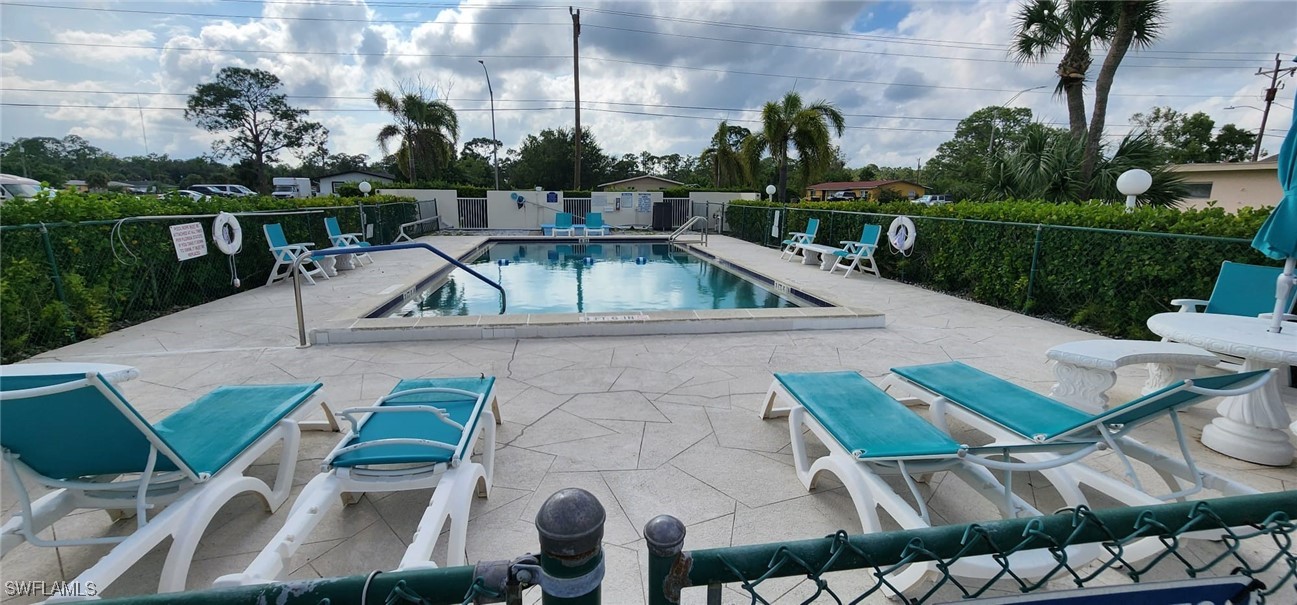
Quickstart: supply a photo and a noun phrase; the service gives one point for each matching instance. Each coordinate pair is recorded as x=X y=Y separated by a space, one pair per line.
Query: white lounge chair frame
x=349 y=240
x=796 y=239
x=857 y=253
x=190 y=499
x=863 y=480
x=454 y=483
x=287 y=255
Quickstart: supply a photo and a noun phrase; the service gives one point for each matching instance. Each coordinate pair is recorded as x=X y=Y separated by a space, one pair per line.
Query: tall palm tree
x=427 y=128
x=1072 y=26
x=727 y=163
x=1138 y=24
x=805 y=128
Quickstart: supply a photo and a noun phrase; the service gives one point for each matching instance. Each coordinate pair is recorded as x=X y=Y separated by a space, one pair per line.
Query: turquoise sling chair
x=797 y=239
x=859 y=254
x=594 y=222
x=345 y=240
x=1241 y=289
x=78 y=436
x=562 y=222
x=286 y=254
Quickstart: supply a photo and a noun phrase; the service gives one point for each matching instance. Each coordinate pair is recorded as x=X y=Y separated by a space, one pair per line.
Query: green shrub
x=1091 y=265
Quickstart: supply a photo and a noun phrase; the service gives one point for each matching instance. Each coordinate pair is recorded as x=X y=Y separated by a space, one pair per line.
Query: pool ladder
x=312 y=254
x=685 y=227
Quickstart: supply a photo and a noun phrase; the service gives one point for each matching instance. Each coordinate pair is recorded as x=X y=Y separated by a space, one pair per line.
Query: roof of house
x=844 y=185
x=1264 y=164
x=379 y=175
x=643 y=176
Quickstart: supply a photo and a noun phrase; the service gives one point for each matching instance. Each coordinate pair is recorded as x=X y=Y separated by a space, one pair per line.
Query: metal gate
x=577 y=206
x=472 y=213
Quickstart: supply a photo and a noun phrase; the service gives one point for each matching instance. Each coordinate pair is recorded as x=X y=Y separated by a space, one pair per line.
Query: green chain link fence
x=61 y=283
x=1104 y=280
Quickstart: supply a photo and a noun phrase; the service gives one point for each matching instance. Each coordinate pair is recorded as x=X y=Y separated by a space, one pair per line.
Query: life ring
x=901 y=234
x=226 y=233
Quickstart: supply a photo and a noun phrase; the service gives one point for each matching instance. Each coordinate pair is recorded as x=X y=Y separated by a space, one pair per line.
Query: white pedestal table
x=1252 y=427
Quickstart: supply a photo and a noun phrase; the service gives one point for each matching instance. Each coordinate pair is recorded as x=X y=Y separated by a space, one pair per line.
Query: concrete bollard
x=570 y=524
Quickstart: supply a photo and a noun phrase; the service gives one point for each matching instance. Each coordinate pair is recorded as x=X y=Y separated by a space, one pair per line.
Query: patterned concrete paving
x=648 y=424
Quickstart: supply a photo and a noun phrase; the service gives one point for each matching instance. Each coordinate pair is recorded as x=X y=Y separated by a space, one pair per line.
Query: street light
x=1132 y=183
x=770 y=191
x=1247 y=106
x=991 y=142
x=495 y=145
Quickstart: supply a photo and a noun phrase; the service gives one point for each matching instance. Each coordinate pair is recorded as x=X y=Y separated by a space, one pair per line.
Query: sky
x=654 y=76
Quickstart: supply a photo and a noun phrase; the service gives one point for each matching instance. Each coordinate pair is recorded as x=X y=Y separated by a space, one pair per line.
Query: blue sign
x=551 y=198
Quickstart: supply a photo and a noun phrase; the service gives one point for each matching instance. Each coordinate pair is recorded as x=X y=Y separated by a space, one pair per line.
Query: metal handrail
x=311 y=254
x=685 y=227
x=402 y=233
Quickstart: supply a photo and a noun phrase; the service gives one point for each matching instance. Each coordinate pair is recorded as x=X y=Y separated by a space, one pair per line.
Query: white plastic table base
x=1249 y=427
x=813 y=253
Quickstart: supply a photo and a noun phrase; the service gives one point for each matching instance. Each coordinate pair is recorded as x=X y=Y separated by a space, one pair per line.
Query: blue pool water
x=591 y=278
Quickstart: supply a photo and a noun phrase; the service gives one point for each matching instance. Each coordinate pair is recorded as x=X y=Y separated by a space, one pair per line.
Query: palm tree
x=806 y=128
x=1073 y=26
x=1139 y=22
x=428 y=130
x=727 y=163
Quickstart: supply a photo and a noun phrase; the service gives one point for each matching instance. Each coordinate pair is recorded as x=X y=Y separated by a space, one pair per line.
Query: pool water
x=607 y=277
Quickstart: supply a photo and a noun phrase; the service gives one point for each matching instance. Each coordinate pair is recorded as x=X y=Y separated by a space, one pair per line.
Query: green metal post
x=1031 y=277
x=570 y=524
x=58 y=283
x=668 y=567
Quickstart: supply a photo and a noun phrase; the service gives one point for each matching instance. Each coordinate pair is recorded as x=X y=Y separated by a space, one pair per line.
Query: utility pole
x=1269 y=98
x=576 y=81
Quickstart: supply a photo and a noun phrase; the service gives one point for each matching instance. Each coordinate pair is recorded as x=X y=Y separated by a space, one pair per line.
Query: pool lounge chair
x=419 y=436
x=286 y=254
x=1013 y=415
x=869 y=434
x=594 y=222
x=78 y=435
x=853 y=254
x=345 y=240
x=562 y=222
x=797 y=239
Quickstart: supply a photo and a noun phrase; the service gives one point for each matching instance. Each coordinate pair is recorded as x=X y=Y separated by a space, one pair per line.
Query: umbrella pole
x=1282 y=286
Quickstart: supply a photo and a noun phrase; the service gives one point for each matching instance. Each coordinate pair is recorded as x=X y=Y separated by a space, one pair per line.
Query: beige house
x=643 y=182
x=863 y=189
x=1231 y=185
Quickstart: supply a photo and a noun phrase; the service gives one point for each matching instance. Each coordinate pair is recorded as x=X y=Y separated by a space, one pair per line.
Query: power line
x=281 y=52
x=134 y=11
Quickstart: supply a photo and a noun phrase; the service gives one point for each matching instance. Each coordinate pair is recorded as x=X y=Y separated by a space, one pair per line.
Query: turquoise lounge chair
x=870 y=435
x=419 y=436
x=345 y=240
x=594 y=222
x=78 y=436
x=286 y=254
x=853 y=254
x=1013 y=416
x=562 y=222
x=1241 y=289
x=797 y=239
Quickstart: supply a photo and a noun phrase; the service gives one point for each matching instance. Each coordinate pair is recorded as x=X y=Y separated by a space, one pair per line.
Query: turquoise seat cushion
x=863 y=419
x=1024 y=412
x=1246 y=290
x=212 y=431
x=416 y=425
x=1149 y=405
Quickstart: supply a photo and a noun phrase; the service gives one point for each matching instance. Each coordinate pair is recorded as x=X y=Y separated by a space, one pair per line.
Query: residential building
x=330 y=183
x=845 y=190
x=643 y=182
x=1231 y=185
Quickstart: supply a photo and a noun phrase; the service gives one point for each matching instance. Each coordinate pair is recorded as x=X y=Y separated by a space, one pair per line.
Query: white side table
x=110 y=371
x=1252 y=427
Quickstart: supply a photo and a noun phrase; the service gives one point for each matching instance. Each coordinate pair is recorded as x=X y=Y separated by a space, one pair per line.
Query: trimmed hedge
x=1093 y=266
x=110 y=274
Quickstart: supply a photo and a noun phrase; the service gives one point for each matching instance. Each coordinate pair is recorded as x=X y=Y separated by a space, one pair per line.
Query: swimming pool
x=604 y=277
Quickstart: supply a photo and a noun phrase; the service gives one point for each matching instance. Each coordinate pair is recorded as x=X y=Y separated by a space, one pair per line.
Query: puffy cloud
x=105 y=46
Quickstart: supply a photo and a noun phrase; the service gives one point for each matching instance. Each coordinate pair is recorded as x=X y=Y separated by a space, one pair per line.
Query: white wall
x=720 y=196
x=636 y=207
x=503 y=212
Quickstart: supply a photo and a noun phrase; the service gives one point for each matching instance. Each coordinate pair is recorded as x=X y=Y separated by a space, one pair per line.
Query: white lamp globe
x=365 y=187
x=770 y=189
x=1134 y=182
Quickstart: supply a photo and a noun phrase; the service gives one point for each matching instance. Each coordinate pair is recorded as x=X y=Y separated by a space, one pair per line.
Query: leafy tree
x=246 y=104
x=546 y=160
x=427 y=128
x=960 y=163
x=1187 y=138
x=1138 y=24
x=869 y=173
x=97 y=180
x=1043 y=27
x=480 y=147
x=806 y=128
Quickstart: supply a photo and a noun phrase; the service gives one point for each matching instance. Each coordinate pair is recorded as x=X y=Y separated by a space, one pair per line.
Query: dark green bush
x=1091 y=265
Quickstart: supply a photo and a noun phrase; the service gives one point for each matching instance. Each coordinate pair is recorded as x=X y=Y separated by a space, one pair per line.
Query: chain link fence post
x=668 y=565
x=570 y=524
x=1031 y=276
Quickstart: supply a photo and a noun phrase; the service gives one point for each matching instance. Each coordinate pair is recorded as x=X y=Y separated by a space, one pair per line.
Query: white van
x=15 y=186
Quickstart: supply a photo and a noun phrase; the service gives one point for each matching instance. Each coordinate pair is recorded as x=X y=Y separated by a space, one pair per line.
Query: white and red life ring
x=901 y=234
x=226 y=233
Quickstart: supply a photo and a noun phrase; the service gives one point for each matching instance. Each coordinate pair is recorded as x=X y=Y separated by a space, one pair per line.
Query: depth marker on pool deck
x=641 y=317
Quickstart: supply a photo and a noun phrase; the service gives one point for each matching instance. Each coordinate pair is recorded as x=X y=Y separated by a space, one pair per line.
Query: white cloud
x=105 y=46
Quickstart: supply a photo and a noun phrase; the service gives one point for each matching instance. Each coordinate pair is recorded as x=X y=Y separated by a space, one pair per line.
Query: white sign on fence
x=189 y=240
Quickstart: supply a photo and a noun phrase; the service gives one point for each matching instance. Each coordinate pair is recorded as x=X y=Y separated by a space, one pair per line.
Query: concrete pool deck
x=663 y=424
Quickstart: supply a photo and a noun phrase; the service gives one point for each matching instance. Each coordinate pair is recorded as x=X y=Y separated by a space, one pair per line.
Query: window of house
x=1199 y=190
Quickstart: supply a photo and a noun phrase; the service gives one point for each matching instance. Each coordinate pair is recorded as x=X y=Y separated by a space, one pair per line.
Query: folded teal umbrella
x=1277 y=238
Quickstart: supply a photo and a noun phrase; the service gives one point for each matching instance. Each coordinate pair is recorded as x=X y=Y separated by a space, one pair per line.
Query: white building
x=330 y=183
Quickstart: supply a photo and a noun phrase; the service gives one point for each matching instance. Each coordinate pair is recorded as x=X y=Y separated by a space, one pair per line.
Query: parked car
x=225 y=190
x=934 y=199
x=15 y=186
x=843 y=195
x=189 y=193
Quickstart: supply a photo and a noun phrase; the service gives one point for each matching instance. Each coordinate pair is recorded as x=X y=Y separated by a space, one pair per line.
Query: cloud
x=105 y=46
